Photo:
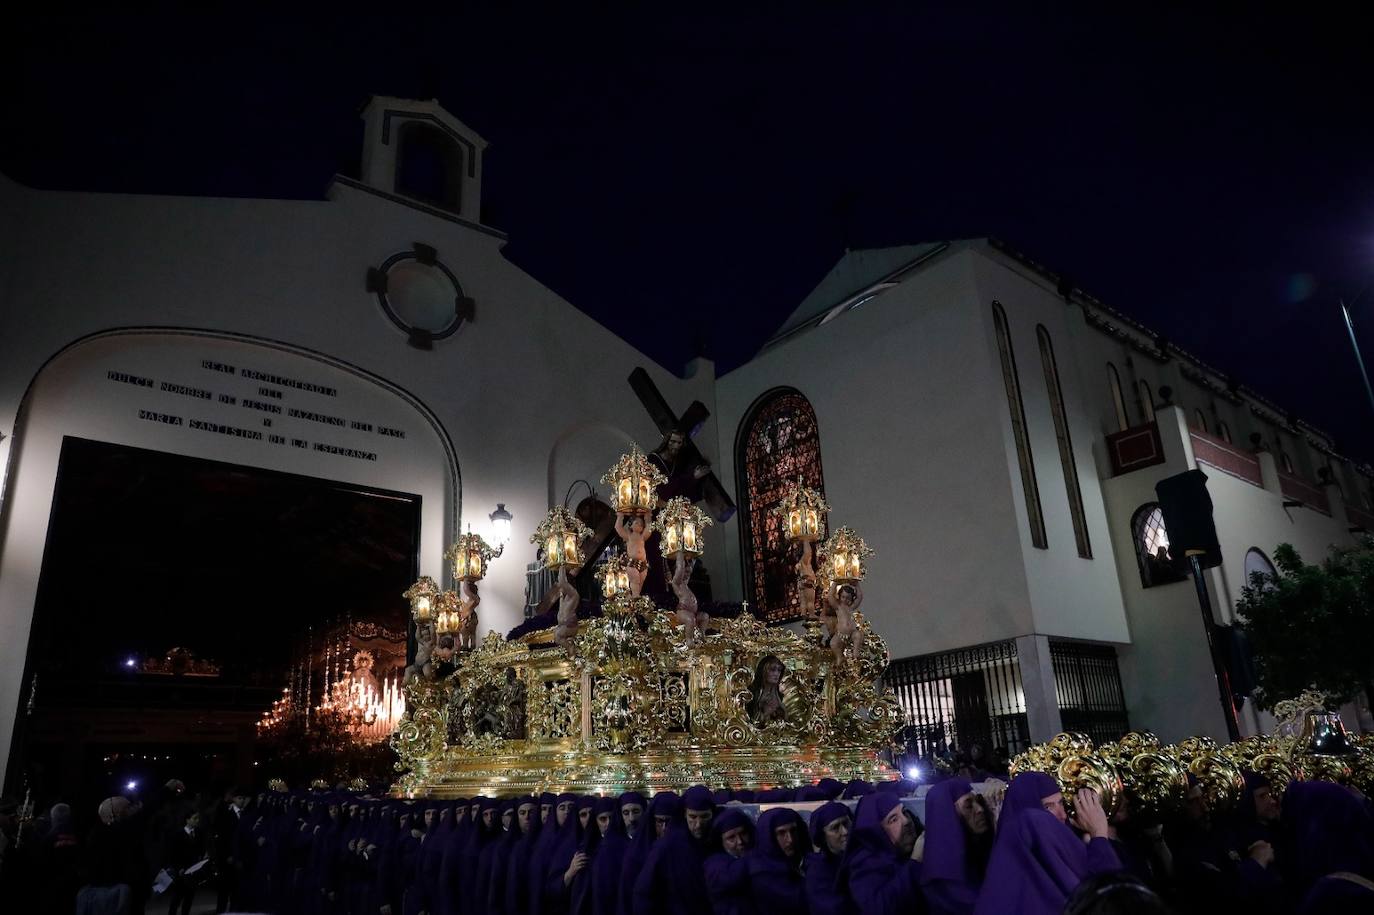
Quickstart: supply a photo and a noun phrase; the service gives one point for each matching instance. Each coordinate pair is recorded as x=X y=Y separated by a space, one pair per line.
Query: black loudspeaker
x=1187 y=510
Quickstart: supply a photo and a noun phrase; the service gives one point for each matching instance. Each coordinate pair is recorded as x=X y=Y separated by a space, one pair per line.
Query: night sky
x=1209 y=174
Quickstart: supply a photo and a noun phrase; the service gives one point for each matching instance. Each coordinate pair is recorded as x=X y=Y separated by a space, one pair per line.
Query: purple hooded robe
x=610 y=854
x=952 y=869
x=823 y=868
x=1036 y=860
x=584 y=883
x=727 y=877
x=517 y=889
x=672 y=880
x=1329 y=835
x=878 y=878
x=664 y=804
x=776 y=883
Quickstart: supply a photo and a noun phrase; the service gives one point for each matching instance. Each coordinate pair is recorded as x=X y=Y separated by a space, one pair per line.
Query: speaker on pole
x=1187 y=511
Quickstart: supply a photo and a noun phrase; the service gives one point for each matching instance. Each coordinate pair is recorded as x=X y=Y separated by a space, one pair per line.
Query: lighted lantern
x=500 y=526
x=843 y=556
x=634 y=483
x=614 y=575
x=446 y=613
x=561 y=535
x=421 y=596
x=680 y=524
x=469 y=556
x=803 y=512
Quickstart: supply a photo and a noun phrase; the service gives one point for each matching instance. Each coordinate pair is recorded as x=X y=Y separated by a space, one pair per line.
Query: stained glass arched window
x=778 y=443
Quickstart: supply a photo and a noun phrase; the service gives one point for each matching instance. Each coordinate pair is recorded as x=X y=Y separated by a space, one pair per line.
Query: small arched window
x=778 y=444
x=1012 y=382
x=1151 y=541
x=1118 y=402
x=1201 y=419
x=429 y=165
x=1224 y=431
x=1286 y=462
x=1256 y=563
x=1147 y=401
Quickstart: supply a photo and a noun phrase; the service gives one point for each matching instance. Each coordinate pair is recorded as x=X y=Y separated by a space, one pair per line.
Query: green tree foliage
x=1312 y=626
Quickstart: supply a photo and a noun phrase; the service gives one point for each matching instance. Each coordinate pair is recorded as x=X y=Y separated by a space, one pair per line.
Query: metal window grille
x=1088 y=689
x=957 y=698
x=1152 y=547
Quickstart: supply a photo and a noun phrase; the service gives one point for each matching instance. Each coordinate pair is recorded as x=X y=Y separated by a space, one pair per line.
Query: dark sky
x=1210 y=174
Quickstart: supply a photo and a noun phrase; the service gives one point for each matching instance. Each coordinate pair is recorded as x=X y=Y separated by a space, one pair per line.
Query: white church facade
x=996 y=438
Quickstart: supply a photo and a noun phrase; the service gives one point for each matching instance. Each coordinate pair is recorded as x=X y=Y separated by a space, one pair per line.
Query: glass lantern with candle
x=844 y=557
x=803 y=512
x=446 y=620
x=614 y=575
x=421 y=596
x=469 y=556
x=680 y=525
x=634 y=483
x=561 y=535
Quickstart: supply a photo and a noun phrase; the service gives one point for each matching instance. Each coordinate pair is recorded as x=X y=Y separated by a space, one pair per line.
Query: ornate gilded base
x=673 y=767
x=634 y=707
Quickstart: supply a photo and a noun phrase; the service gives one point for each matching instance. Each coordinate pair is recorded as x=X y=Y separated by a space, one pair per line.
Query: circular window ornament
x=420 y=295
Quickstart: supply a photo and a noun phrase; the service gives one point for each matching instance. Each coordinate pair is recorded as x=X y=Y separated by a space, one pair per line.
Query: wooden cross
x=708 y=488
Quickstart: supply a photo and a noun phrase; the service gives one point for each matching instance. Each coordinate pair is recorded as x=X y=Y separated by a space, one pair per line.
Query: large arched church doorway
x=197 y=528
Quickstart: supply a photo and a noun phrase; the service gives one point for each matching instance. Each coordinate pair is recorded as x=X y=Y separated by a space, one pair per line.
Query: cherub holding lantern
x=843 y=562
x=680 y=525
x=634 y=530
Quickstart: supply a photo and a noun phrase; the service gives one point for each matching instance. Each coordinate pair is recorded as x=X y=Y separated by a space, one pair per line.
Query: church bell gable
x=417 y=150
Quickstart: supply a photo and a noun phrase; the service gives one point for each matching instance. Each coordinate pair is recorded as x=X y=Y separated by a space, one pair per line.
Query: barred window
x=1062 y=436
x=779 y=443
x=1157 y=567
x=1012 y=382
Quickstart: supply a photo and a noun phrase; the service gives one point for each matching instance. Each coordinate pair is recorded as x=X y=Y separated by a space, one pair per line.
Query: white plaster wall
x=1071 y=596
x=73 y=396
x=909 y=402
x=1166 y=670
x=504 y=387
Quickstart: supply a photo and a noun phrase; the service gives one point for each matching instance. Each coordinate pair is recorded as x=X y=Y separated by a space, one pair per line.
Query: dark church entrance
x=174 y=597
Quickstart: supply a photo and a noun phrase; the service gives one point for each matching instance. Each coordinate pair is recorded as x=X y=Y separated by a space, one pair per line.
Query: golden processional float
x=647 y=698
x=1309 y=743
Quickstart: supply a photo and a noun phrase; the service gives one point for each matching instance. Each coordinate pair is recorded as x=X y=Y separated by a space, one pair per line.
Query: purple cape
x=665 y=803
x=550 y=835
x=1036 y=860
x=823 y=868
x=727 y=878
x=775 y=880
x=672 y=879
x=517 y=889
x=950 y=875
x=877 y=878
x=502 y=850
x=1326 y=829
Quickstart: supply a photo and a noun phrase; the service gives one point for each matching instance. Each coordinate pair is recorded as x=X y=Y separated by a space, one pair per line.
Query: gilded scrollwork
x=633 y=707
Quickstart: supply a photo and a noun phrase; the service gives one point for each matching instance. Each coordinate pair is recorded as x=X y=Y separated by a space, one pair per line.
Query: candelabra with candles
x=366 y=708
